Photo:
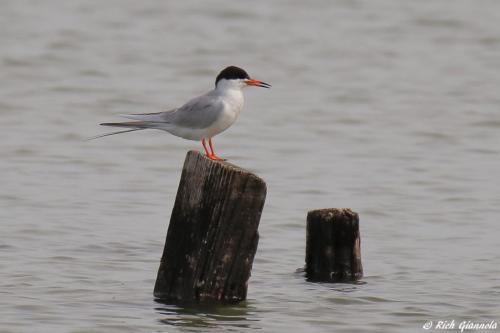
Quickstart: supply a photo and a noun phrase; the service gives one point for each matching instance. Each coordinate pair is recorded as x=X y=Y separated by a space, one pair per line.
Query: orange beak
x=257 y=83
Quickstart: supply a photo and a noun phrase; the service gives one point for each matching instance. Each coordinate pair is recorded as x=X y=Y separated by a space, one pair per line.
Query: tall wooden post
x=333 y=243
x=212 y=236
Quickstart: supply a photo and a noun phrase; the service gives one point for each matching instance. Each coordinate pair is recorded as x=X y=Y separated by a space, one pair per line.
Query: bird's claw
x=215 y=158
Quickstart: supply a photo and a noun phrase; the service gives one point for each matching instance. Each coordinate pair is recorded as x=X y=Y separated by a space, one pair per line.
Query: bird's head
x=236 y=77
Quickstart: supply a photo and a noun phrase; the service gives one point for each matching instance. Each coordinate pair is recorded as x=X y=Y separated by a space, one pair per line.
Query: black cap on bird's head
x=232 y=72
x=236 y=73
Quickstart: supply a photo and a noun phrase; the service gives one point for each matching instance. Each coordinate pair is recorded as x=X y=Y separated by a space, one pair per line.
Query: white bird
x=202 y=117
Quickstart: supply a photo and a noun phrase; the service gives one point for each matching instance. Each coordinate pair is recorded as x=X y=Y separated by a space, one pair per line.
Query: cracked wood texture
x=333 y=252
x=212 y=236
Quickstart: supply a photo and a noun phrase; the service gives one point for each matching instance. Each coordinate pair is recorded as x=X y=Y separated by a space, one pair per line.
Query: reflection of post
x=208 y=317
x=212 y=236
x=333 y=246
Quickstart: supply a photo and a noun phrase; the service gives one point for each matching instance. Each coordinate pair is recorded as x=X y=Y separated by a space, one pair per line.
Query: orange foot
x=214 y=157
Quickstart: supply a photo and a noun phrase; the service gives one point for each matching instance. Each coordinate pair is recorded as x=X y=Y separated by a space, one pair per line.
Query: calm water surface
x=391 y=108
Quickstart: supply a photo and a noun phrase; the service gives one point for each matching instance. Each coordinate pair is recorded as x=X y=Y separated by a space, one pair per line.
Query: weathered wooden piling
x=333 y=252
x=212 y=236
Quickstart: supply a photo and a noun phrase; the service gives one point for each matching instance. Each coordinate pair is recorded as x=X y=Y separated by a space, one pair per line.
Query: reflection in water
x=341 y=286
x=216 y=316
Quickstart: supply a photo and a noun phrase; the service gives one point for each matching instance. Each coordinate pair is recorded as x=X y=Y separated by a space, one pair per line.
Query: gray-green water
x=391 y=108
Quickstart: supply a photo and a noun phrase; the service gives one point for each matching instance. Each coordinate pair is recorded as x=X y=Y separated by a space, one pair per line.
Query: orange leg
x=210 y=153
x=207 y=153
x=214 y=156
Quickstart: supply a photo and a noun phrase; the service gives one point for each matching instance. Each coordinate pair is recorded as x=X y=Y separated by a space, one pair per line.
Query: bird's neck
x=234 y=93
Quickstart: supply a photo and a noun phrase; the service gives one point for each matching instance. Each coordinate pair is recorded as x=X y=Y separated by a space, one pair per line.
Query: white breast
x=233 y=104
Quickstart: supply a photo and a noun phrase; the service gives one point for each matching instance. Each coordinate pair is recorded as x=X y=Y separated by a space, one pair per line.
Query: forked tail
x=131 y=125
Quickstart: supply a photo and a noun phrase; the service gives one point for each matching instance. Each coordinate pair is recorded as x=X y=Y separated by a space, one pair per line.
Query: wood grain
x=212 y=236
x=333 y=246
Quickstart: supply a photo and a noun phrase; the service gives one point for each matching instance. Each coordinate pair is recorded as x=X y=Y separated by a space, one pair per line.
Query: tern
x=202 y=117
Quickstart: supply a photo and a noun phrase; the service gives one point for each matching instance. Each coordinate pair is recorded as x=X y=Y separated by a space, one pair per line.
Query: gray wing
x=200 y=112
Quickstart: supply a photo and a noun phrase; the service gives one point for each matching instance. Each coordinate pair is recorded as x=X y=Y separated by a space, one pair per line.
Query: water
x=390 y=108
